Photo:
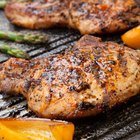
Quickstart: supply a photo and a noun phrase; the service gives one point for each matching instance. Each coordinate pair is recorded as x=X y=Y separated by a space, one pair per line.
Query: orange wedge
x=132 y=38
x=23 y=129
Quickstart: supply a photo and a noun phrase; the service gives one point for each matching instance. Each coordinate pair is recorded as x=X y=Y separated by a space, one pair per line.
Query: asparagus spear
x=35 y=38
x=13 y=51
x=2 y=4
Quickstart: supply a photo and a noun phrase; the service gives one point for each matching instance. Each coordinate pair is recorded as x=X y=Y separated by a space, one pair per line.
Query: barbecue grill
x=122 y=122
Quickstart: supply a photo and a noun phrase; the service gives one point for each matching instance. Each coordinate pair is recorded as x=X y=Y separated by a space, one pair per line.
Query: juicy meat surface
x=88 y=16
x=85 y=80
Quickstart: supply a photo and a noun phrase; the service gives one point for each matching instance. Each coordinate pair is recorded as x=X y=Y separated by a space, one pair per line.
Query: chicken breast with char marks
x=85 y=80
x=36 y=14
x=88 y=16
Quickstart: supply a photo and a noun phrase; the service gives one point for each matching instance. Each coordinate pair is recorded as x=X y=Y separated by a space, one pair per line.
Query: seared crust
x=103 y=16
x=82 y=82
x=88 y=16
x=38 y=13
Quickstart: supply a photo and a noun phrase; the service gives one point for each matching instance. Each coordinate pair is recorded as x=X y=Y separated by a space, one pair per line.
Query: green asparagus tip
x=35 y=38
x=14 y=52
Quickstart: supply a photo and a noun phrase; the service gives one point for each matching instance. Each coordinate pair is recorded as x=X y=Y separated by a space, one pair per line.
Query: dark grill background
x=122 y=122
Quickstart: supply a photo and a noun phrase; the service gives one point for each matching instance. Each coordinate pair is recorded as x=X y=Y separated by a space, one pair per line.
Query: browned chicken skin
x=88 y=16
x=81 y=82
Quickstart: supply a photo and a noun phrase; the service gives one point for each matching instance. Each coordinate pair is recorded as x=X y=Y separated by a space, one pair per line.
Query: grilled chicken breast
x=85 y=80
x=88 y=16
x=36 y=14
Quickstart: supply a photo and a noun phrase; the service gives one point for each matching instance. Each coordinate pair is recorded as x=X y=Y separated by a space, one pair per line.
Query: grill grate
x=122 y=122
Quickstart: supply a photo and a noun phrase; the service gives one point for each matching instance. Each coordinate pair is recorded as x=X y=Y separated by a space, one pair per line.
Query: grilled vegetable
x=2 y=4
x=35 y=130
x=132 y=38
x=4 y=48
x=35 y=38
